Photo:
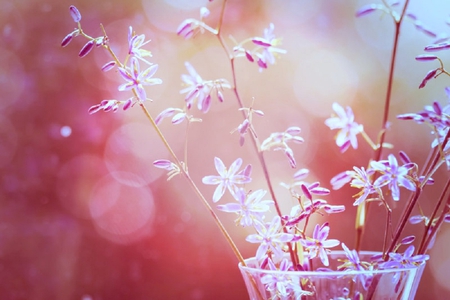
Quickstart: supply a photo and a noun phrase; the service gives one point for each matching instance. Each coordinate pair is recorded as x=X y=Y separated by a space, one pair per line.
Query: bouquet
x=292 y=240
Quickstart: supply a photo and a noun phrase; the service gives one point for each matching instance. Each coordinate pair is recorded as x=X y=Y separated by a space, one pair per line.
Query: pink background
x=84 y=214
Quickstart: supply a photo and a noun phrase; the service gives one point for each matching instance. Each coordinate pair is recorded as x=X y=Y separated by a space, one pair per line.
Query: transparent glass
x=398 y=284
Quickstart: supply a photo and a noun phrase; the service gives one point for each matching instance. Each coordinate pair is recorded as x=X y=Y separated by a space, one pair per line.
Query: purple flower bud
x=261 y=42
x=249 y=56
x=191 y=95
x=411 y=16
x=306 y=192
x=163 y=164
x=247 y=171
x=220 y=96
x=67 y=40
x=415 y=117
x=416 y=219
x=408 y=240
x=86 y=48
x=75 y=13
x=127 y=104
x=290 y=155
x=437 y=107
x=437 y=47
x=319 y=191
x=447 y=218
x=168 y=112
x=341 y=179
x=430 y=181
x=294 y=130
x=94 y=109
x=426 y=57
x=366 y=9
x=345 y=146
x=259 y=112
x=178 y=118
x=404 y=157
x=262 y=64
x=243 y=127
x=108 y=66
x=301 y=174
x=333 y=209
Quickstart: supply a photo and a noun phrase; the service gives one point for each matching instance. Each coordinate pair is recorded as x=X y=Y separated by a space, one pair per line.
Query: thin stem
x=253 y=138
x=387 y=103
x=427 y=235
x=404 y=219
x=194 y=187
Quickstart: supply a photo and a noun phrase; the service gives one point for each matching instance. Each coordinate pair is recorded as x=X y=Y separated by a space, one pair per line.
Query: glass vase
x=399 y=284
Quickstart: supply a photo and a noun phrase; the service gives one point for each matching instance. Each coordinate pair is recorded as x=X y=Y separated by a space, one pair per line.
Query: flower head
x=197 y=88
x=135 y=79
x=317 y=245
x=250 y=207
x=135 y=43
x=227 y=179
x=393 y=175
x=405 y=260
x=349 y=129
x=270 y=237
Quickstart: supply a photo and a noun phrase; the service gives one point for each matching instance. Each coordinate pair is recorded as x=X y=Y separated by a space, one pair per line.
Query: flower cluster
x=286 y=241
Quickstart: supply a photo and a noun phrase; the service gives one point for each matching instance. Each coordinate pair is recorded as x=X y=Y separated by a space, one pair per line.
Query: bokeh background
x=83 y=213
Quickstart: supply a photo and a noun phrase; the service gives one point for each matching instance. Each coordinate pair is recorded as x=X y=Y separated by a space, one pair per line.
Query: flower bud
x=127 y=104
x=301 y=174
x=75 y=13
x=108 y=66
x=437 y=47
x=249 y=56
x=426 y=57
x=86 y=48
x=366 y=9
x=408 y=240
x=67 y=40
x=261 y=42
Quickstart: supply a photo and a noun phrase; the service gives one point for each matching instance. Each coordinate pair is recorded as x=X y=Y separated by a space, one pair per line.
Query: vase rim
x=332 y=272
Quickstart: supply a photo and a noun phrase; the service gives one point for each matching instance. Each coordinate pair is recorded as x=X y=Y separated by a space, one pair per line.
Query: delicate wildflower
x=227 y=179
x=270 y=237
x=405 y=260
x=178 y=115
x=246 y=125
x=250 y=207
x=165 y=164
x=106 y=105
x=199 y=89
x=318 y=244
x=279 y=140
x=135 y=79
x=280 y=284
x=393 y=175
x=191 y=27
x=268 y=44
x=362 y=180
x=349 y=129
x=135 y=43
x=353 y=263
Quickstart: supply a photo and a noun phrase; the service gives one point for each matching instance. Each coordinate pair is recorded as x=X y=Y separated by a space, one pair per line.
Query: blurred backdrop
x=83 y=213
